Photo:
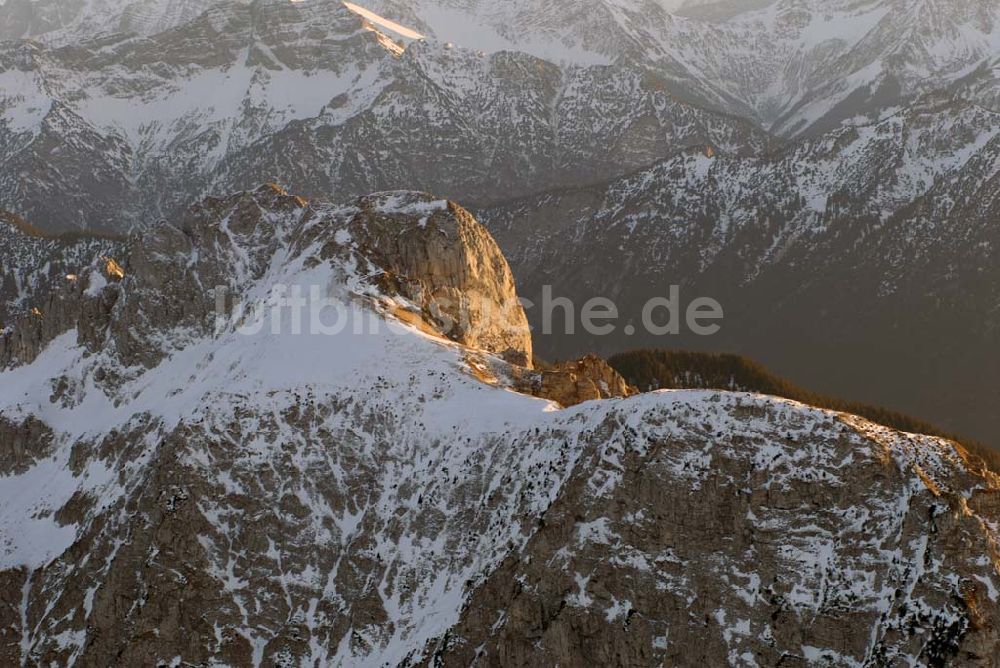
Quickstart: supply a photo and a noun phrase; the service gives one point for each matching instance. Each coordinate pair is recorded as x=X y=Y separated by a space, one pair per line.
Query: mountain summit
x=183 y=487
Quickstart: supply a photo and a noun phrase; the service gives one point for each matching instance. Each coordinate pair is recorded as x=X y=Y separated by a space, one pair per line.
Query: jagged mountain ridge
x=124 y=129
x=35 y=264
x=303 y=94
x=156 y=478
x=794 y=66
x=279 y=498
x=672 y=369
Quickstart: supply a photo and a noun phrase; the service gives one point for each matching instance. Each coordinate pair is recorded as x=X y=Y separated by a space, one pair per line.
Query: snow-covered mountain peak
x=360 y=496
x=422 y=259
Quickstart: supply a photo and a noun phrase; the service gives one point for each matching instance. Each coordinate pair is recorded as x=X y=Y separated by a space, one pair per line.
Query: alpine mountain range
x=175 y=492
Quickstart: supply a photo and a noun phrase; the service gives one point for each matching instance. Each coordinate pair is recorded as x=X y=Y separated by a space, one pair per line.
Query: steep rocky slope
x=178 y=487
x=888 y=213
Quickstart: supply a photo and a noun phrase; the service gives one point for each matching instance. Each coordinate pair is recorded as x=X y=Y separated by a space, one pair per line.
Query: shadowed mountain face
x=283 y=497
x=861 y=263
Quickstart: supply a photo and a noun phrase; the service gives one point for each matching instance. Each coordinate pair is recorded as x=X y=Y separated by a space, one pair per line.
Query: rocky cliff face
x=428 y=255
x=765 y=154
x=239 y=491
x=877 y=171
x=575 y=382
x=435 y=254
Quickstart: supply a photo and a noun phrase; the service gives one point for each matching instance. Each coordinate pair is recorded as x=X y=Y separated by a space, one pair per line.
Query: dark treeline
x=666 y=369
x=23 y=226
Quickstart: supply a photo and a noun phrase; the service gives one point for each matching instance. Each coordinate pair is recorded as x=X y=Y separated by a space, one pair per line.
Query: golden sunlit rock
x=113 y=269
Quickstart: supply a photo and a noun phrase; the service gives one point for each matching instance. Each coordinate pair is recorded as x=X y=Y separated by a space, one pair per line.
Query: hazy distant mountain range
x=862 y=261
x=173 y=102
x=301 y=93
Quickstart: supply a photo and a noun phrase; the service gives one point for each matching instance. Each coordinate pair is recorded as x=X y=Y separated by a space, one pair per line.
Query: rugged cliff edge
x=176 y=487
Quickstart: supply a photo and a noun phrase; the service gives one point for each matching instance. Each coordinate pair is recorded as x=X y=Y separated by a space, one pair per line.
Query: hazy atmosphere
x=517 y=333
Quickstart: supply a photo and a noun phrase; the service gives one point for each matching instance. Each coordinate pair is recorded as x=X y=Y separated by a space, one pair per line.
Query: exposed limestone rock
x=431 y=252
x=570 y=383
x=45 y=287
x=11 y=595
x=435 y=254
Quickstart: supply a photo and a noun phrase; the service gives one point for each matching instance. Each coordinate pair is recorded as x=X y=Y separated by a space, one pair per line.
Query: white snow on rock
x=400 y=462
